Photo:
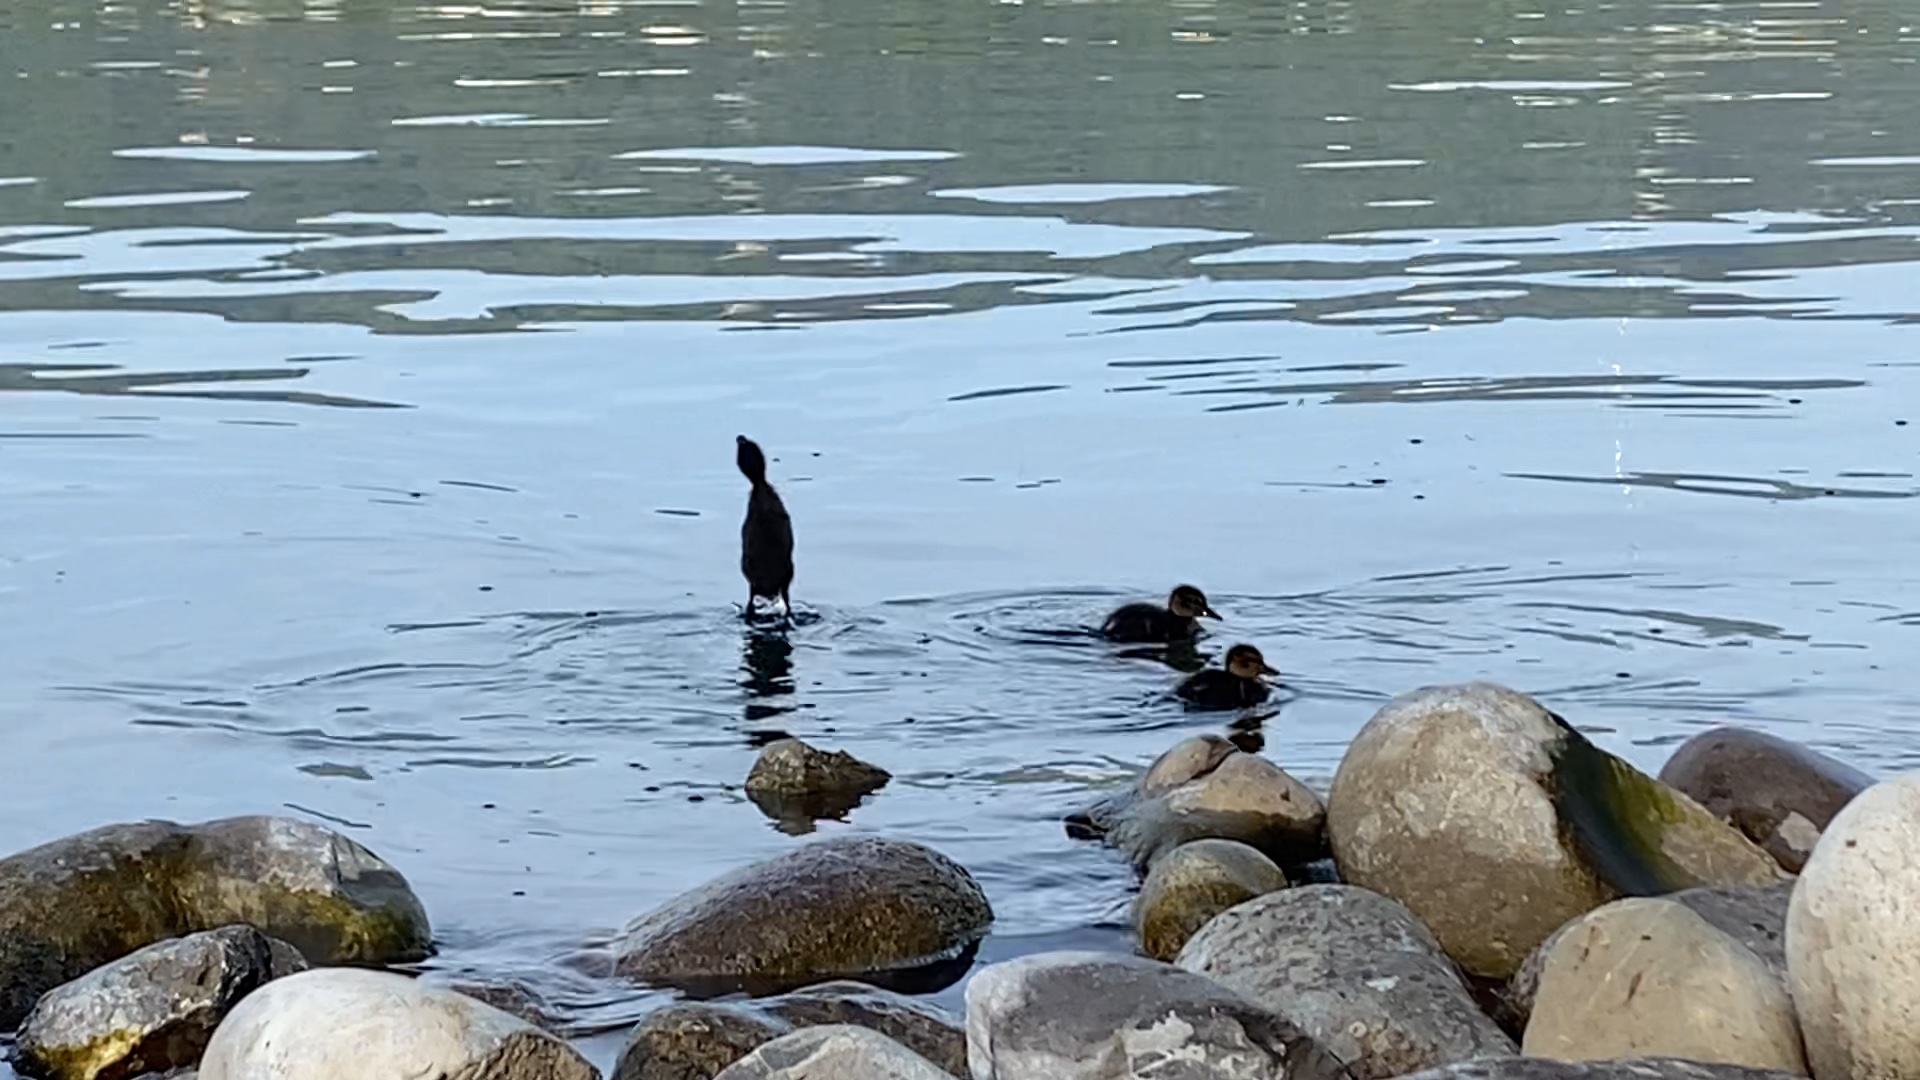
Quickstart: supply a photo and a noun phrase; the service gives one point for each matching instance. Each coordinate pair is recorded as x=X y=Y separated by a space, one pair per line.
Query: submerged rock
x=1496 y=823
x=353 y=1024
x=1649 y=977
x=794 y=783
x=1094 y=1016
x=1193 y=883
x=1753 y=915
x=1205 y=787
x=834 y=1052
x=1779 y=793
x=72 y=905
x=1354 y=971
x=884 y=911
x=696 y=1040
x=1853 y=938
x=149 y=1011
x=1642 y=1068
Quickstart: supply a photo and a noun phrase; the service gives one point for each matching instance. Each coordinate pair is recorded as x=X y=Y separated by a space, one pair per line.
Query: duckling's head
x=753 y=463
x=1245 y=662
x=1190 y=603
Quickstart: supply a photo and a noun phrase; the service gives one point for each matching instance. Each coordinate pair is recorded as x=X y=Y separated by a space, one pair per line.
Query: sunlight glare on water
x=372 y=370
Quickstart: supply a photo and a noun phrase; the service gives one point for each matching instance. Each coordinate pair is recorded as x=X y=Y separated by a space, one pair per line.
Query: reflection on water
x=371 y=372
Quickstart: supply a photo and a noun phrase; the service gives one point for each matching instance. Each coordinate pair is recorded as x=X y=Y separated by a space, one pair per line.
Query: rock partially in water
x=1753 y=915
x=1095 y=1016
x=353 y=1024
x=834 y=1052
x=1642 y=977
x=888 y=912
x=1193 y=883
x=795 y=784
x=72 y=905
x=149 y=1011
x=920 y=1026
x=1496 y=823
x=1853 y=938
x=1779 y=793
x=1353 y=970
x=1205 y=787
x=1641 y=1068
x=696 y=1040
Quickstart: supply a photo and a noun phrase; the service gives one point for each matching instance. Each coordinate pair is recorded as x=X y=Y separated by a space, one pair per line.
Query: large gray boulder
x=1205 y=787
x=72 y=905
x=1649 y=977
x=784 y=922
x=149 y=1011
x=1779 y=793
x=1853 y=939
x=834 y=1052
x=1099 y=1016
x=354 y=1024
x=1354 y=971
x=1496 y=823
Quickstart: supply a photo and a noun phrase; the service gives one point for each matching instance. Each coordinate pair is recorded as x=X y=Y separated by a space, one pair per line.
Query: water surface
x=371 y=372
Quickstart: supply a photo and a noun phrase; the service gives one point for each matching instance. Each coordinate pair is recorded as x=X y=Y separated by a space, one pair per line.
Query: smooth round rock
x=1753 y=915
x=883 y=911
x=1099 y=1016
x=1853 y=939
x=150 y=1011
x=694 y=1040
x=1496 y=822
x=1354 y=971
x=70 y=906
x=834 y=1052
x=1779 y=793
x=1205 y=787
x=1193 y=883
x=355 y=1024
x=915 y=1023
x=1650 y=978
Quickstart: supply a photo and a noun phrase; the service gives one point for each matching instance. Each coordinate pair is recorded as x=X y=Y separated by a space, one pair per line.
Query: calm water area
x=369 y=373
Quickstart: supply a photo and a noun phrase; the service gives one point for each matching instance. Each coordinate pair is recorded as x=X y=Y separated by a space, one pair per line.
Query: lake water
x=373 y=368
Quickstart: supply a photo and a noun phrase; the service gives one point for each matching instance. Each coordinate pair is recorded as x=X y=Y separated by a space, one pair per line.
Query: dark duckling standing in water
x=1241 y=682
x=766 y=536
x=1178 y=621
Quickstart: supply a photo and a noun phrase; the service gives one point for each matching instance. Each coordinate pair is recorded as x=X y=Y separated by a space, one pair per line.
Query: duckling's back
x=1146 y=622
x=766 y=536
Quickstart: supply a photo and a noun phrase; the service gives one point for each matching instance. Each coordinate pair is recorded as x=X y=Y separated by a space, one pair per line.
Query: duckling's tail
x=753 y=463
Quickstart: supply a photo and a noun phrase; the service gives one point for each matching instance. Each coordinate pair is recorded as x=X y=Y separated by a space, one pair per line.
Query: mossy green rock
x=1496 y=823
x=1193 y=883
x=883 y=911
x=72 y=905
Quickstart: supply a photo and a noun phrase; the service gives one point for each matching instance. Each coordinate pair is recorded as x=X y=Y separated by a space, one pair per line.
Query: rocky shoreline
x=1482 y=893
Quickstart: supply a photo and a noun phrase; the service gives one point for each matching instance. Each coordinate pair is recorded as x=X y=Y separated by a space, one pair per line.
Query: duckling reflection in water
x=766 y=536
x=1178 y=621
x=1240 y=682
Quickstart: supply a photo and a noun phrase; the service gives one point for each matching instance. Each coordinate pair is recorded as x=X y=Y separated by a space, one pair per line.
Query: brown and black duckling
x=1240 y=682
x=1178 y=621
x=766 y=536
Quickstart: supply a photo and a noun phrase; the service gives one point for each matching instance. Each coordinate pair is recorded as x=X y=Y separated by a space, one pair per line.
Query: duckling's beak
x=1208 y=613
x=1268 y=669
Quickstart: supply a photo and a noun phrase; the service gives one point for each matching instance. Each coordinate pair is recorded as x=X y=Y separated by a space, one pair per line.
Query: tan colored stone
x=1193 y=883
x=1650 y=978
x=1853 y=939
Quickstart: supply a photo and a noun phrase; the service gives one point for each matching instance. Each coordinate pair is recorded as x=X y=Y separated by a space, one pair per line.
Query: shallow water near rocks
x=371 y=370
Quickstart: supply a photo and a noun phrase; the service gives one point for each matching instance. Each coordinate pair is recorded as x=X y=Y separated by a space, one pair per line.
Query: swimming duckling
x=1151 y=622
x=1240 y=682
x=766 y=536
